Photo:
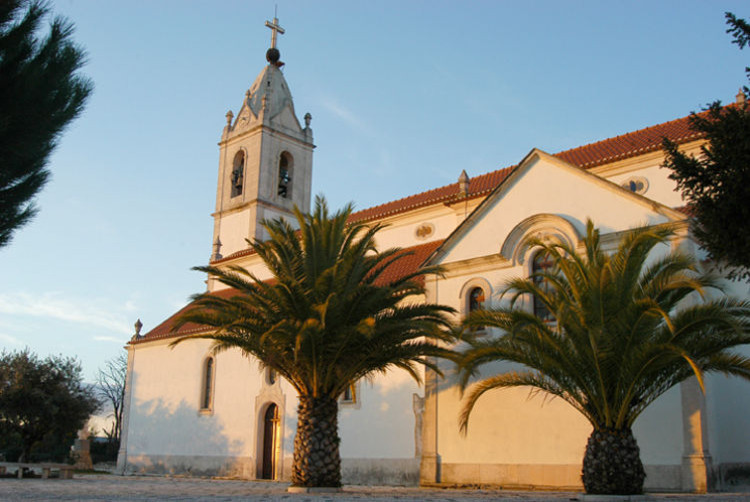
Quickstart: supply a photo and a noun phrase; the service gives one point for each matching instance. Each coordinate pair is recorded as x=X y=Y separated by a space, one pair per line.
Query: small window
x=540 y=264
x=208 y=384
x=350 y=395
x=476 y=299
x=636 y=184
x=271 y=376
x=238 y=174
x=285 y=176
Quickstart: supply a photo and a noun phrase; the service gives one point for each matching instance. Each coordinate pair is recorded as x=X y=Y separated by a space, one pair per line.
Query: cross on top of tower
x=275 y=28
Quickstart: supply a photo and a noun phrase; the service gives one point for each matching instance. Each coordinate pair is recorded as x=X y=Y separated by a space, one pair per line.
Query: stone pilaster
x=697 y=469
x=429 y=467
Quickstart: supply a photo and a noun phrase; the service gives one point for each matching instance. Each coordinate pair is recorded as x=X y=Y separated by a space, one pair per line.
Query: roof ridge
x=598 y=152
x=627 y=134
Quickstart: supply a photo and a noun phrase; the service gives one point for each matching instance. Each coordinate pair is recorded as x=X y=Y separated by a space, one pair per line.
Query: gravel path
x=99 y=487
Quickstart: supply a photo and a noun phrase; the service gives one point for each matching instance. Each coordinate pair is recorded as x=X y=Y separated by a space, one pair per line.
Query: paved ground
x=100 y=487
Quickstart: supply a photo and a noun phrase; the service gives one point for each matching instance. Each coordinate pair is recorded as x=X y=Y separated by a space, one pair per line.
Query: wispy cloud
x=109 y=339
x=55 y=306
x=12 y=340
x=346 y=115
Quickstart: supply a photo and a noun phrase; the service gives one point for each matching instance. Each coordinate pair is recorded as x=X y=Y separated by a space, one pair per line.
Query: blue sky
x=403 y=94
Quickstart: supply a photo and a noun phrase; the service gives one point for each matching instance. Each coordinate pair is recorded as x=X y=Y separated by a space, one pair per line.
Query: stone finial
x=217 y=250
x=463 y=184
x=229 y=117
x=308 y=119
x=740 y=98
x=137 y=336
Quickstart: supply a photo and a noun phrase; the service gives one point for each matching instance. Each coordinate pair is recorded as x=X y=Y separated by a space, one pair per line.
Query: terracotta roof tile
x=236 y=254
x=410 y=263
x=587 y=156
x=396 y=270
x=164 y=330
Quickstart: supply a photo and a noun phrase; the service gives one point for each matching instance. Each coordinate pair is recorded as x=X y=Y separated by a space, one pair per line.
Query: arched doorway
x=270 y=441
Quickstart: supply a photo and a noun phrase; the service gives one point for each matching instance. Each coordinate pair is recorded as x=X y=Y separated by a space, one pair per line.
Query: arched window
x=540 y=264
x=476 y=299
x=208 y=384
x=238 y=173
x=350 y=395
x=285 y=175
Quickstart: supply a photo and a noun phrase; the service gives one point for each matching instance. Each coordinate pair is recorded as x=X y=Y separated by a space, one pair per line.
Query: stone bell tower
x=265 y=160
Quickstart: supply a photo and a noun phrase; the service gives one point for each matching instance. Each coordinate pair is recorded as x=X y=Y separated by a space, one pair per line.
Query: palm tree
x=622 y=335
x=332 y=314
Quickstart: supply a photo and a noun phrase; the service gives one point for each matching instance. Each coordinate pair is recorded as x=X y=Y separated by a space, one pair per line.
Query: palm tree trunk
x=612 y=463
x=316 y=446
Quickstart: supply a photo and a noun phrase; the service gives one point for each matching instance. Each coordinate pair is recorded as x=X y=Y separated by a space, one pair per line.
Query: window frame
x=537 y=307
x=208 y=385
x=288 y=184
x=354 y=401
x=236 y=190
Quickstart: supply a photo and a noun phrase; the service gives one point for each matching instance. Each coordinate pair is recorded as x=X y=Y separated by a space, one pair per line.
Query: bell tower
x=265 y=160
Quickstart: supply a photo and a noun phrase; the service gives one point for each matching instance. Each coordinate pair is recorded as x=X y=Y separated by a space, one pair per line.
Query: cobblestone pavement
x=99 y=487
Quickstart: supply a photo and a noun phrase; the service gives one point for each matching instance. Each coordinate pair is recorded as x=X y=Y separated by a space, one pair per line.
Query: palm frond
x=624 y=332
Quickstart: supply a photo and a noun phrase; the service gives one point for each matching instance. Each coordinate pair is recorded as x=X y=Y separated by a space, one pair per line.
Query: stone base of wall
x=380 y=471
x=354 y=471
x=192 y=465
x=733 y=476
x=545 y=476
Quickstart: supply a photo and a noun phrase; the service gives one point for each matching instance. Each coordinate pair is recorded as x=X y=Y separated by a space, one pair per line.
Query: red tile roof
x=400 y=268
x=236 y=254
x=164 y=330
x=587 y=156
x=408 y=264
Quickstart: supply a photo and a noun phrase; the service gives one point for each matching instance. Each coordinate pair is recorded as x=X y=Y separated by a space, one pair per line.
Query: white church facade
x=190 y=411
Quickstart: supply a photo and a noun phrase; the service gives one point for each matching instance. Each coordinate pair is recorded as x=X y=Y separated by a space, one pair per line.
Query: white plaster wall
x=381 y=425
x=510 y=427
x=546 y=188
x=728 y=401
x=165 y=418
x=659 y=430
x=660 y=189
x=234 y=230
x=164 y=414
x=400 y=231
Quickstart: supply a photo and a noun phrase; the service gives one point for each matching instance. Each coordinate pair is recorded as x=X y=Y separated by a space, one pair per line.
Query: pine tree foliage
x=716 y=184
x=331 y=316
x=628 y=326
x=40 y=93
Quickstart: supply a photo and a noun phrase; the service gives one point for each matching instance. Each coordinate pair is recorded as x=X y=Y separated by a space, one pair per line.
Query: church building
x=188 y=410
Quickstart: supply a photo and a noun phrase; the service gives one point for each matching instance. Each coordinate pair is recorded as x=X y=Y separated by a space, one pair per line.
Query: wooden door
x=270 y=439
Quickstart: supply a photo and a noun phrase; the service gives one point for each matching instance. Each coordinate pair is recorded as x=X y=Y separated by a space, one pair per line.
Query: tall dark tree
x=716 y=184
x=40 y=93
x=620 y=337
x=332 y=315
x=42 y=402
